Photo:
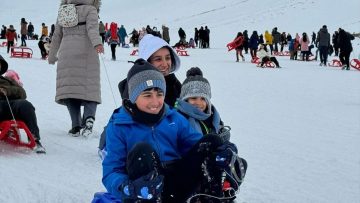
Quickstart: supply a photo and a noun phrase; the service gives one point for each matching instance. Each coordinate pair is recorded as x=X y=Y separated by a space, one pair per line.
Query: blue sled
x=105 y=197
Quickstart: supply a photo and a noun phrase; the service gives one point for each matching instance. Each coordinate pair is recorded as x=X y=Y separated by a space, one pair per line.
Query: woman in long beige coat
x=78 y=69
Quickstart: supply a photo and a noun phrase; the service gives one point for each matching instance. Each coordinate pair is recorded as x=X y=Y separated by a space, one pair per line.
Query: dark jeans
x=102 y=35
x=9 y=44
x=181 y=177
x=74 y=108
x=24 y=111
x=271 y=48
x=23 y=40
x=323 y=54
x=113 y=50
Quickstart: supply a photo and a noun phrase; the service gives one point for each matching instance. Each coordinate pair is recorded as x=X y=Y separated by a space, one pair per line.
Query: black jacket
x=344 y=41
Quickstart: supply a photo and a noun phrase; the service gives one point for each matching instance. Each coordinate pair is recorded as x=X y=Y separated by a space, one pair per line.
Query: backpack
x=67 y=16
x=113 y=31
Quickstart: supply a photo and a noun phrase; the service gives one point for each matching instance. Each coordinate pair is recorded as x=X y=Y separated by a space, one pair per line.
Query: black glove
x=223 y=156
x=146 y=187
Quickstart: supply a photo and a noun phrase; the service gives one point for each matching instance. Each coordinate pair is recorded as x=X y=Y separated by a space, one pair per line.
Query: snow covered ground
x=298 y=127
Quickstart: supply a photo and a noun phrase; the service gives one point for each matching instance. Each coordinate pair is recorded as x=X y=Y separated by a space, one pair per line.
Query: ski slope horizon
x=298 y=127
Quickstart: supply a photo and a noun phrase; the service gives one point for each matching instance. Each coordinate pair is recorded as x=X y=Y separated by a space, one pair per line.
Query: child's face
x=161 y=60
x=150 y=101
x=199 y=102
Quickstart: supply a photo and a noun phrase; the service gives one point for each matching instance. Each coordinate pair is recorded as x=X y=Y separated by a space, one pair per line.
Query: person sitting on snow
x=152 y=151
x=195 y=104
x=264 y=56
x=11 y=90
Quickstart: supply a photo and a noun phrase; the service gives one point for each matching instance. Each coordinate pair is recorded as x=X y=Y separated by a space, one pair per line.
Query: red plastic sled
x=21 y=52
x=355 y=63
x=182 y=52
x=10 y=133
x=134 y=52
x=285 y=53
x=268 y=64
x=335 y=63
x=3 y=44
x=255 y=60
x=237 y=42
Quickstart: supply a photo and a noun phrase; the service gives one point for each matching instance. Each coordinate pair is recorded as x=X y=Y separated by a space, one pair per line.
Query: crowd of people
x=299 y=48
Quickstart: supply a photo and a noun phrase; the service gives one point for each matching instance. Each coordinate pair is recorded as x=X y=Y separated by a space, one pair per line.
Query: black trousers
x=24 y=111
x=323 y=54
x=9 y=44
x=273 y=59
x=113 y=50
x=344 y=57
x=181 y=177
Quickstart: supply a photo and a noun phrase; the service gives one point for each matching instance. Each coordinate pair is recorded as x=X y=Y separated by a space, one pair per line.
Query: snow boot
x=89 y=123
x=75 y=131
x=39 y=149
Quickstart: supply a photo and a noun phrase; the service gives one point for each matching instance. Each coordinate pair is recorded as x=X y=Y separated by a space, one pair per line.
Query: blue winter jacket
x=171 y=138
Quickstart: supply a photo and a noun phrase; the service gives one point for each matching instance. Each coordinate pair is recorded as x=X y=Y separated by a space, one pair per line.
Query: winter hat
x=13 y=75
x=195 y=85
x=149 y=44
x=142 y=76
x=3 y=65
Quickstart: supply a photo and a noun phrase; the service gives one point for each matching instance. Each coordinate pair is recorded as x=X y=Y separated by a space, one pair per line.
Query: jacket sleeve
x=55 y=43
x=92 y=27
x=114 y=164
x=13 y=90
x=188 y=136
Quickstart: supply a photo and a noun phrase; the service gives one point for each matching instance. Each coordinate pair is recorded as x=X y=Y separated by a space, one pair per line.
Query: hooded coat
x=78 y=68
x=149 y=44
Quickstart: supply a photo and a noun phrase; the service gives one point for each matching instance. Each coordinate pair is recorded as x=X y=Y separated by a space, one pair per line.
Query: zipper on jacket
x=157 y=144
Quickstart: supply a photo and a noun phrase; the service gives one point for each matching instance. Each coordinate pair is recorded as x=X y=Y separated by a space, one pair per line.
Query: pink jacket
x=304 y=45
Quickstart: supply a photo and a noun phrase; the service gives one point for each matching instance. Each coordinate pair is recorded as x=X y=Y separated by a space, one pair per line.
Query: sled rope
x=12 y=114
x=215 y=197
x=107 y=77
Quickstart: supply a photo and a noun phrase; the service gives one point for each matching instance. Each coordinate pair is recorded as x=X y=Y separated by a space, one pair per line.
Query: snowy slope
x=298 y=127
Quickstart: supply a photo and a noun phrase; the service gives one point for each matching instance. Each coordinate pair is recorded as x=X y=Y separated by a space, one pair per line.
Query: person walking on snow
x=78 y=67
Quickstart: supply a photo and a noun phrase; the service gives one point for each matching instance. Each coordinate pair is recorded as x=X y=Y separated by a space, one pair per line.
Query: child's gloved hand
x=223 y=156
x=146 y=187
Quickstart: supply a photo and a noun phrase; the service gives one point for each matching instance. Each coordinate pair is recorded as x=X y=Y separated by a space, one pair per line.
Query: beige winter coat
x=78 y=67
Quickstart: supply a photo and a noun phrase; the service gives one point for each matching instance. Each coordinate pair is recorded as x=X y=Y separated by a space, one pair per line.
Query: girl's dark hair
x=304 y=37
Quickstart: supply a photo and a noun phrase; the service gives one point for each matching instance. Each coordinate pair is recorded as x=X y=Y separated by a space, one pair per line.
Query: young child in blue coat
x=152 y=151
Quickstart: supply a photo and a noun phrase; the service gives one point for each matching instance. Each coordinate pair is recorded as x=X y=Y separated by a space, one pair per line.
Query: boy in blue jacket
x=152 y=152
